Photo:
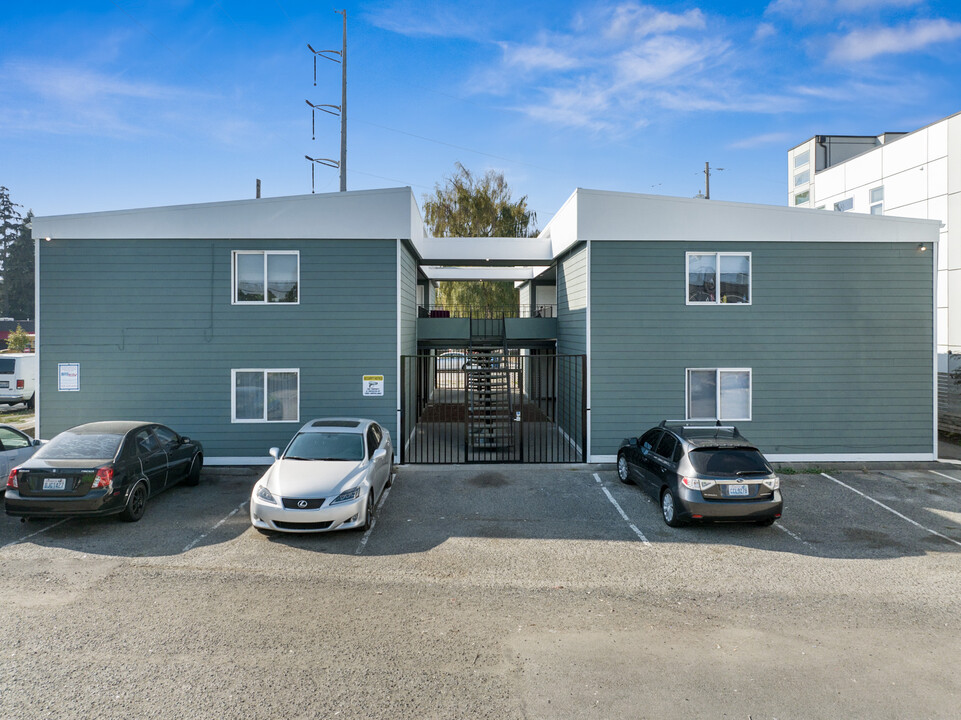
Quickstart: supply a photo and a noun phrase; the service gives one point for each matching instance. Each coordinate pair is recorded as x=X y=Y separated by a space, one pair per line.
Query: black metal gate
x=493 y=406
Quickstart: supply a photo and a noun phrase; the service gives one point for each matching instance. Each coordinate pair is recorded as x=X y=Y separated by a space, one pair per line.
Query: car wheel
x=136 y=503
x=390 y=474
x=622 y=471
x=368 y=512
x=669 y=509
x=193 y=475
x=765 y=523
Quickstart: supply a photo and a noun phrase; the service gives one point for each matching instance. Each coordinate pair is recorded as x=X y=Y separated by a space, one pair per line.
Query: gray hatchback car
x=702 y=472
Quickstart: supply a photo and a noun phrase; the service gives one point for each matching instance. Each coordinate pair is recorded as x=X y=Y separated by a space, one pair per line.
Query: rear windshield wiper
x=751 y=472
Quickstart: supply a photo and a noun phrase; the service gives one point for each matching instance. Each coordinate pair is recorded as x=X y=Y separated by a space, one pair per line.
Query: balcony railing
x=478 y=312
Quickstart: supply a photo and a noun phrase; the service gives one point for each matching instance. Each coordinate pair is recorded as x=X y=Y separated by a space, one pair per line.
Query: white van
x=18 y=378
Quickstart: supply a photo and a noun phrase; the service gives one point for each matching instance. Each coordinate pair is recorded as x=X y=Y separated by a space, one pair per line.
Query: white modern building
x=914 y=175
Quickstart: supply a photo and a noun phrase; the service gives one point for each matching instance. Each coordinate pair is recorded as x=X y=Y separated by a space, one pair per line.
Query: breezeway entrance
x=493 y=407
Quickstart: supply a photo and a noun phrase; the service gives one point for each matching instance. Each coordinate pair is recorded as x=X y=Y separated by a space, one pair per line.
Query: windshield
x=729 y=461
x=325 y=446
x=77 y=446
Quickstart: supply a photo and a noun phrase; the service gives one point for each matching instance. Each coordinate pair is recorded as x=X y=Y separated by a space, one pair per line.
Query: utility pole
x=341 y=57
x=343 y=107
x=707 y=179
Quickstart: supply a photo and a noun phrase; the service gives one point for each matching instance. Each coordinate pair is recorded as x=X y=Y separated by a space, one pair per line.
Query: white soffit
x=517 y=274
x=358 y=214
x=485 y=251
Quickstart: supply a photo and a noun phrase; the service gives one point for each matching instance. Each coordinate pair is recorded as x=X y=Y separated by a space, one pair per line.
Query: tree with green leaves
x=16 y=260
x=18 y=340
x=471 y=206
x=17 y=295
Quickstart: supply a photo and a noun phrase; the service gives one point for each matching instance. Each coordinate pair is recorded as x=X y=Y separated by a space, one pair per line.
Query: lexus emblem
x=301 y=503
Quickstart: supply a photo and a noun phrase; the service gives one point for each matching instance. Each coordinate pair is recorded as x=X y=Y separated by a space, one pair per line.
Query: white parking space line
x=892 y=510
x=783 y=529
x=614 y=502
x=27 y=537
x=945 y=476
x=363 y=540
x=232 y=513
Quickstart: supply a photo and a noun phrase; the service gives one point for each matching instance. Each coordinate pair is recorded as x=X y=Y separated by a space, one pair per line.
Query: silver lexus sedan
x=330 y=477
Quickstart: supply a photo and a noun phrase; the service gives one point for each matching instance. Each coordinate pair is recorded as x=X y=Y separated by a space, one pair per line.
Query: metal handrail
x=481 y=312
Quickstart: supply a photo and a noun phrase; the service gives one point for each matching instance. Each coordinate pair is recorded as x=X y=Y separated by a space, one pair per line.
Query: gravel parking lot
x=495 y=591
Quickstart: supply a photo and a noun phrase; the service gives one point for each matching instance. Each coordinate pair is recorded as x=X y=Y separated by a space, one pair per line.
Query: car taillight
x=697 y=483
x=13 y=482
x=103 y=478
x=19 y=384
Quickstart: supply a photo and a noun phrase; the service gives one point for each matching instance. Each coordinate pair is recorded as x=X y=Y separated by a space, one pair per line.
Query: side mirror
x=37 y=443
x=378 y=454
x=184 y=439
x=274 y=453
x=632 y=441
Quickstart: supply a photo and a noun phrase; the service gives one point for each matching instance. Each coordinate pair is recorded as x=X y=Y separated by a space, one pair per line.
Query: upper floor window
x=802 y=159
x=714 y=278
x=844 y=205
x=802 y=197
x=719 y=394
x=802 y=178
x=261 y=277
x=877 y=200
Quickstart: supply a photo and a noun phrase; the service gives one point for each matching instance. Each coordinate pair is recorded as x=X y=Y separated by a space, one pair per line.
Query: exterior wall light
x=922 y=247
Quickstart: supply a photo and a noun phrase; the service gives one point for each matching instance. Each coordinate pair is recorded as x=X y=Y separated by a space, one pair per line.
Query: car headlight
x=772 y=482
x=265 y=495
x=346 y=496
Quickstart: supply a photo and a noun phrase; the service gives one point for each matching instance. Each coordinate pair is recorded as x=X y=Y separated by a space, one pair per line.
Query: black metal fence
x=487 y=313
x=462 y=407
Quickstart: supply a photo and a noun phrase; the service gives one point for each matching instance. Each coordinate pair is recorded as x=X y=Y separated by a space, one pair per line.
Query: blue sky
x=111 y=104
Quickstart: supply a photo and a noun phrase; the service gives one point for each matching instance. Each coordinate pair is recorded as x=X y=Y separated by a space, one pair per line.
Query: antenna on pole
x=338 y=56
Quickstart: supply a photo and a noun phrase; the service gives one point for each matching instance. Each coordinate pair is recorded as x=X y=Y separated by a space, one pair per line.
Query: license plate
x=738 y=490
x=54 y=483
x=4 y=383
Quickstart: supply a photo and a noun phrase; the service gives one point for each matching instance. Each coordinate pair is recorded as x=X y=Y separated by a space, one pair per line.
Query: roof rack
x=685 y=424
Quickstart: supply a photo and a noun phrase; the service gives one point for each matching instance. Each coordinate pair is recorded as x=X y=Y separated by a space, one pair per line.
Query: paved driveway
x=495 y=591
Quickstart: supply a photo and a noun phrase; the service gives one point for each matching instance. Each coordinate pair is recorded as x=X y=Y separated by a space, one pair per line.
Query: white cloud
x=539 y=57
x=826 y=11
x=632 y=20
x=779 y=139
x=865 y=44
x=453 y=20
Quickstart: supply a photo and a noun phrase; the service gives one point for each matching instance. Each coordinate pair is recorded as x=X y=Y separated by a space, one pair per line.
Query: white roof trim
x=485 y=251
x=358 y=214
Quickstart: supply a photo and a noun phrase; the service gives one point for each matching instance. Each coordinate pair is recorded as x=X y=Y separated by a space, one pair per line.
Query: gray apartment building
x=235 y=322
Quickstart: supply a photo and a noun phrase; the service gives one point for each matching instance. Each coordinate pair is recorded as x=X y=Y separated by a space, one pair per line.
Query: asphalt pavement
x=495 y=591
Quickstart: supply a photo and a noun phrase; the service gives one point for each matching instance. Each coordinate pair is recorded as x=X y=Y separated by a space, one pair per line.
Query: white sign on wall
x=68 y=376
x=373 y=385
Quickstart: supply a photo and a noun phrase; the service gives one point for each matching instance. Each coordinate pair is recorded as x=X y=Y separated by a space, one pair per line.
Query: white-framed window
x=877 y=200
x=718 y=278
x=844 y=205
x=802 y=197
x=718 y=394
x=265 y=277
x=802 y=159
x=802 y=178
x=264 y=396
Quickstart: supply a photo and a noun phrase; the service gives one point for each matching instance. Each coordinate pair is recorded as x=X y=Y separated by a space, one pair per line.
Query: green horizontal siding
x=838 y=338
x=152 y=325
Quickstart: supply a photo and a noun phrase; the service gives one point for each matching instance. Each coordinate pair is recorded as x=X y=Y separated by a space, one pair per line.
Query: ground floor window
x=719 y=394
x=265 y=395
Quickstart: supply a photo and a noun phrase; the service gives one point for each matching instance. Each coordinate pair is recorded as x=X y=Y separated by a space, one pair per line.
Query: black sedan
x=102 y=468
x=702 y=472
